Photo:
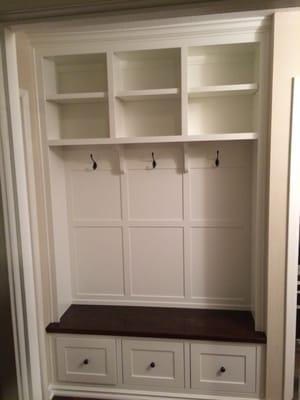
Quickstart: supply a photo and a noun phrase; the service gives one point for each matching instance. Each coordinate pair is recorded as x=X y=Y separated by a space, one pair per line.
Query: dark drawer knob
x=86 y=361
x=152 y=365
x=222 y=369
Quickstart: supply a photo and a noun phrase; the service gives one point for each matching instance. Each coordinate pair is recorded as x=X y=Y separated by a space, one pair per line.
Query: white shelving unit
x=147 y=93
x=153 y=153
x=192 y=109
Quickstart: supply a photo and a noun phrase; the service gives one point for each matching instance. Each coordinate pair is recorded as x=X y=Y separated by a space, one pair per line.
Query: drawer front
x=227 y=368
x=154 y=363
x=86 y=360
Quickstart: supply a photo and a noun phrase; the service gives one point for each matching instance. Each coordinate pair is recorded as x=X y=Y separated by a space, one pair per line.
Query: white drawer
x=227 y=368
x=86 y=360
x=153 y=362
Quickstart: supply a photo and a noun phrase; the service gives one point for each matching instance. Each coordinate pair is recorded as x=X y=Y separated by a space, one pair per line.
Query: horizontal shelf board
x=155 y=139
x=150 y=94
x=159 y=322
x=222 y=90
x=63 y=98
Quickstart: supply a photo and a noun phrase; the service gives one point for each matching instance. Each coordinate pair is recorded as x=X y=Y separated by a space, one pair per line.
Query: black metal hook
x=154 y=163
x=217 y=161
x=95 y=165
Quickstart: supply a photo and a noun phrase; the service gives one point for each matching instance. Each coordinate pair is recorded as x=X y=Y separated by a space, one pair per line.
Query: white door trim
x=13 y=176
x=11 y=227
x=292 y=244
x=22 y=146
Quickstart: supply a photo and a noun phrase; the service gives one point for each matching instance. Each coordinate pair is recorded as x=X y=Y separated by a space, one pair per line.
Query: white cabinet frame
x=13 y=156
x=292 y=244
x=14 y=185
x=254 y=30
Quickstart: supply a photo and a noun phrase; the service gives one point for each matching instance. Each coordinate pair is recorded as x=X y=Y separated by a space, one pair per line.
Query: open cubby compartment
x=224 y=114
x=220 y=213
x=77 y=120
x=84 y=73
x=218 y=65
x=84 y=201
x=154 y=236
x=151 y=117
x=147 y=69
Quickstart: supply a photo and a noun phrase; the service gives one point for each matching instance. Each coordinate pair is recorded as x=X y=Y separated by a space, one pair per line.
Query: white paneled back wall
x=157 y=236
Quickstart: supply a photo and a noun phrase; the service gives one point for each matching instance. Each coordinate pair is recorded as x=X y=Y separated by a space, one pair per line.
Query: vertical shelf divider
x=186 y=167
x=184 y=90
x=122 y=164
x=111 y=94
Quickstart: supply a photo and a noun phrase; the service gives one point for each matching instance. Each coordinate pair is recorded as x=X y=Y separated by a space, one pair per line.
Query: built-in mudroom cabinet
x=152 y=153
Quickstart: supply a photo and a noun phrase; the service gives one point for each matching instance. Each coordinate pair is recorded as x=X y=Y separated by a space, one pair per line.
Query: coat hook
x=95 y=165
x=154 y=163
x=217 y=161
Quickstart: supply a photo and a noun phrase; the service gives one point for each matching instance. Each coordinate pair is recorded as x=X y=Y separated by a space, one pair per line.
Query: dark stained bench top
x=159 y=322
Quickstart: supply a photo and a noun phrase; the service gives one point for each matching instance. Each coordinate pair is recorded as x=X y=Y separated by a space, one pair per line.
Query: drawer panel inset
x=218 y=367
x=155 y=363
x=86 y=360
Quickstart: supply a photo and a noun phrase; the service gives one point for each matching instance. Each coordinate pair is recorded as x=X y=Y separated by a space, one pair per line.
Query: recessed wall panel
x=156 y=261
x=95 y=195
x=220 y=265
x=219 y=194
x=98 y=261
x=155 y=194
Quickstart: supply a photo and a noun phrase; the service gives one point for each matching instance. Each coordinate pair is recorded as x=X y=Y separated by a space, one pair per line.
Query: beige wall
x=9 y=5
x=20 y=10
x=286 y=65
x=207 y=5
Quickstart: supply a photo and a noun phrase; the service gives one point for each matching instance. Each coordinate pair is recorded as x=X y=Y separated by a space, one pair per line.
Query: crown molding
x=162 y=29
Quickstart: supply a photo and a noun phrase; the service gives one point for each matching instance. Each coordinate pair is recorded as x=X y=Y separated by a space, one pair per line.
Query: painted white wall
x=286 y=65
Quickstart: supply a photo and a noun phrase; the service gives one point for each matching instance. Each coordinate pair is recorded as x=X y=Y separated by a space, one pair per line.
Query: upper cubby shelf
x=222 y=82
x=152 y=94
x=84 y=73
x=75 y=90
x=230 y=64
x=147 y=69
x=147 y=91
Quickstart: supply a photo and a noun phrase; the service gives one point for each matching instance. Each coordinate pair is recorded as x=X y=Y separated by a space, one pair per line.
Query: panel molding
x=169 y=162
x=49 y=41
